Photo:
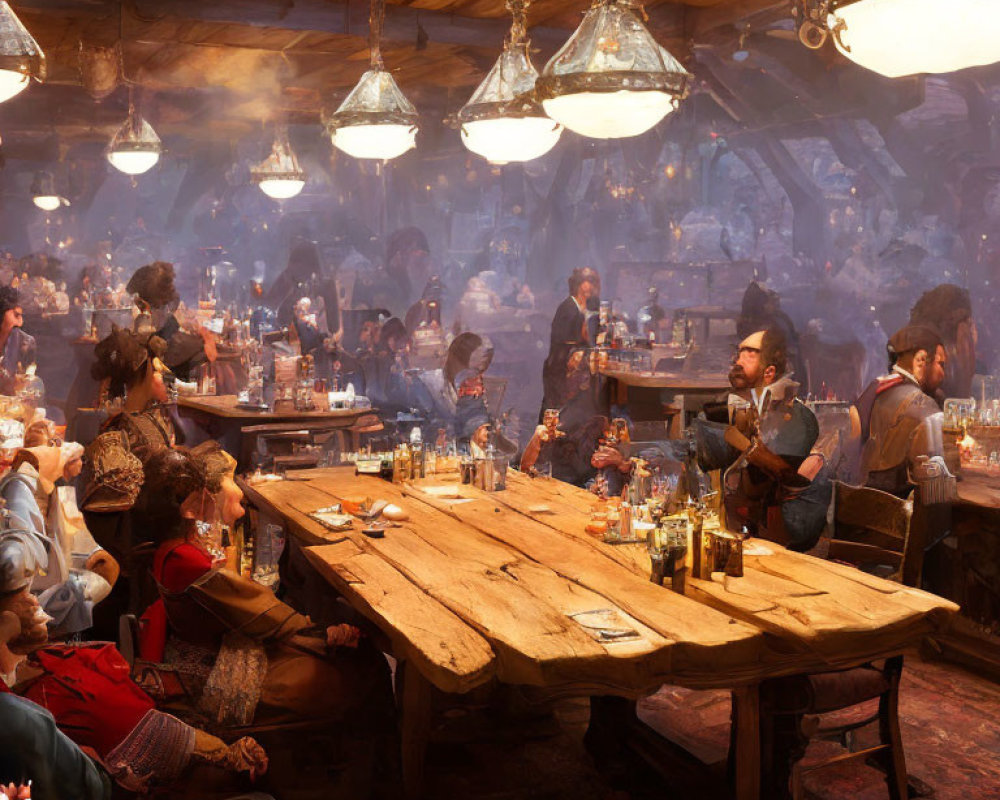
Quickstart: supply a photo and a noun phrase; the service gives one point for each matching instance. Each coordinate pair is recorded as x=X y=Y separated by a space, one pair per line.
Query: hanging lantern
x=503 y=121
x=135 y=148
x=906 y=37
x=375 y=120
x=44 y=194
x=20 y=56
x=279 y=176
x=611 y=79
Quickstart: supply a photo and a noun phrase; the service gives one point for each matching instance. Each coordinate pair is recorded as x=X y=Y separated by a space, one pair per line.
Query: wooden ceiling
x=218 y=68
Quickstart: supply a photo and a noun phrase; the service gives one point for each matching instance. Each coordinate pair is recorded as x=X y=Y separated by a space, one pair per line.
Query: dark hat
x=9 y=298
x=154 y=283
x=912 y=338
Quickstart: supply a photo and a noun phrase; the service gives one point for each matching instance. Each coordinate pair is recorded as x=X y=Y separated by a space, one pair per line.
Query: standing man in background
x=569 y=332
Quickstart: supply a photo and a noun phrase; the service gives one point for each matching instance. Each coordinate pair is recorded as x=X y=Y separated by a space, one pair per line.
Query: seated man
x=31 y=746
x=776 y=485
x=899 y=419
x=571 y=446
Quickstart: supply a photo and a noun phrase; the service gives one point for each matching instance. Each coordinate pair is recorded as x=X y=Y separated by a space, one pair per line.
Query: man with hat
x=900 y=421
x=774 y=484
x=17 y=348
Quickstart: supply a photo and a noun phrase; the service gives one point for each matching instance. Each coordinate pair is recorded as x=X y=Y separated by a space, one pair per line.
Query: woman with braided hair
x=112 y=502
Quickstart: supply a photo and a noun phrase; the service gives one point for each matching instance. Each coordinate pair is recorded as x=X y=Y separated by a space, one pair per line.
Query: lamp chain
x=376 y=19
x=519 y=24
x=635 y=5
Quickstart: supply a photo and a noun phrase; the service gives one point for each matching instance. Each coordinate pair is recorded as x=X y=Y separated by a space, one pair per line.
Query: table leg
x=415 y=724
x=746 y=700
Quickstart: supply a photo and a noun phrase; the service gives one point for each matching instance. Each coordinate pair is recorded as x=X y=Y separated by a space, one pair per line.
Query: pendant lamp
x=375 y=120
x=611 y=79
x=20 y=56
x=279 y=176
x=503 y=121
x=44 y=193
x=135 y=148
x=906 y=37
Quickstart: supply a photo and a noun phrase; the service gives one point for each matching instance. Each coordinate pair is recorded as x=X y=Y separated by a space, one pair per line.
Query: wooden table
x=237 y=428
x=965 y=568
x=486 y=588
x=646 y=392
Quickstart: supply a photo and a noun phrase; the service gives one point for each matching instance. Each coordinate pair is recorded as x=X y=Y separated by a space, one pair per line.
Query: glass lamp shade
x=501 y=122
x=610 y=115
x=12 y=83
x=375 y=120
x=20 y=56
x=906 y=37
x=133 y=162
x=44 y=193
x=611 y=79
x=506 y=139
x=279 y=175
x=135 y=148
x=47 y=202
x=281 y=188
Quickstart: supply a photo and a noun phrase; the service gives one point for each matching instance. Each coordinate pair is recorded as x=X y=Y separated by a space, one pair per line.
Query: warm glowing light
x=47 y=202
x=502 y=122
x=383 y=141
x=281 y=188
x=614 y=115
x=503 y=140
x=135 y=147
x=611 y=79
x=279 y=176
x=906 y=37
x=12 y=84
x=375 y=120
x=133 y=162
x=20 y=56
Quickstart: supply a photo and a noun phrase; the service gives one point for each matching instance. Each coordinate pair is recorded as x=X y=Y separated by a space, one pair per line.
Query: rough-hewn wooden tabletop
x=479 y=584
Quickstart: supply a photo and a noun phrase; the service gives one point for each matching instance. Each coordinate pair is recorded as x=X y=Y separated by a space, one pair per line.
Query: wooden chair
x=872 y=531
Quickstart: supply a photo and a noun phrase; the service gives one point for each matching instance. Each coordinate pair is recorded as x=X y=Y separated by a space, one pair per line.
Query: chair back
x=494 y=390
x=871 y=530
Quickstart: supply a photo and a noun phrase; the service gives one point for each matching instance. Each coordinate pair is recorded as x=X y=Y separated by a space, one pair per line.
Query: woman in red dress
x=243 y=655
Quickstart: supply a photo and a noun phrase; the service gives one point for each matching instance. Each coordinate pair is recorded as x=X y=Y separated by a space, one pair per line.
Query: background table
x=646 y=393
x=237 y=429
x=497 y=586
x=965 y=568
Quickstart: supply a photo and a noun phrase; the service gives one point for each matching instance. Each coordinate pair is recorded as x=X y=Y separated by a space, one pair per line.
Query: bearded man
x=775 y=484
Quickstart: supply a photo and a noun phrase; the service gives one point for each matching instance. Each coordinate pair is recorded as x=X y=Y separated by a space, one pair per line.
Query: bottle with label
x=418 y=454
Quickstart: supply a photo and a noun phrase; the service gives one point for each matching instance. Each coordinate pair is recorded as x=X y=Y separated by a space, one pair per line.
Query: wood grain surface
x=516 y=569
